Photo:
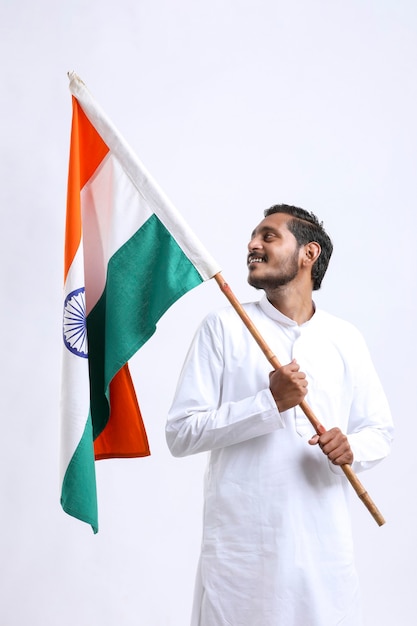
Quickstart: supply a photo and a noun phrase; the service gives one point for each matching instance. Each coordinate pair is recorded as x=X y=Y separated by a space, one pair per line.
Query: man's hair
x=305 y=227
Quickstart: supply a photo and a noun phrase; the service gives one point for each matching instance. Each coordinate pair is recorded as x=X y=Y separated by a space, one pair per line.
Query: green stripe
x=79 y=494
x=144 y=278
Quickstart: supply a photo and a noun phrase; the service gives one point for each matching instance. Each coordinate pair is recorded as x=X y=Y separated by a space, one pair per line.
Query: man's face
x=273 y=258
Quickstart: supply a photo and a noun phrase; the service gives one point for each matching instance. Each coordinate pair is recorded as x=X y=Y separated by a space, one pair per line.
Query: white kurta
x=277 y=545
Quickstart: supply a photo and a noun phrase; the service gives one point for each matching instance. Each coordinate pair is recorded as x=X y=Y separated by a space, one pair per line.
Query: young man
x=277 y=545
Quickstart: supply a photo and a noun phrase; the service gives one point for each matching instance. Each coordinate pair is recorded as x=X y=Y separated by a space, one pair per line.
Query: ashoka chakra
x=75 y=323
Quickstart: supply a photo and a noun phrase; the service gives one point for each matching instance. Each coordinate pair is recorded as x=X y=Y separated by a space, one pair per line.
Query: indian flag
x=129 y=256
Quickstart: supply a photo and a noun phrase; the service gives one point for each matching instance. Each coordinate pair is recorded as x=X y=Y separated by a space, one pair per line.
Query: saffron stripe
x=87 y=150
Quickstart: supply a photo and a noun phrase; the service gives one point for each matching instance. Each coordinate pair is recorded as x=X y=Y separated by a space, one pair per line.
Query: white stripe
x=112 y=212
x=143 y=181
x=75 y=392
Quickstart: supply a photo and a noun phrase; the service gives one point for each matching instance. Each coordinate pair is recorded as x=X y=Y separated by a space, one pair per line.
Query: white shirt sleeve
x=370 y=427
x=199 y=420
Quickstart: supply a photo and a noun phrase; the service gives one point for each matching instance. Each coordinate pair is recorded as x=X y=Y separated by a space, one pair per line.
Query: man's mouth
x=256 y=259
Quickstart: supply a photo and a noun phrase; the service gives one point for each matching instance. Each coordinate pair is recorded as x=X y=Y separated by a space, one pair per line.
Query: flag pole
x=319 y=428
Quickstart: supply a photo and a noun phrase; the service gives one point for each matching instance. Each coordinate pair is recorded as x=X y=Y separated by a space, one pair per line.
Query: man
x=277 y=545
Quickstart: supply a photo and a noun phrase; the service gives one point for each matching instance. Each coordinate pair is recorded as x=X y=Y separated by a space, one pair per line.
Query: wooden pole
x=319 y=428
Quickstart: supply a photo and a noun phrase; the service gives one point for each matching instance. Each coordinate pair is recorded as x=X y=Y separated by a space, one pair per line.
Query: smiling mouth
x=252 y=260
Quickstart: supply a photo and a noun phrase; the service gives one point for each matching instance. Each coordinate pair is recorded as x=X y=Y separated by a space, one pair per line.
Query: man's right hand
x=288 y=385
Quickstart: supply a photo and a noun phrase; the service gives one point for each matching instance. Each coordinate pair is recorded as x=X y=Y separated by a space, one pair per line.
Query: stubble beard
x=268 y=283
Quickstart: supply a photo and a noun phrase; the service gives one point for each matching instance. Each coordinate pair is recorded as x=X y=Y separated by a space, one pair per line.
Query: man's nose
x=254 y=244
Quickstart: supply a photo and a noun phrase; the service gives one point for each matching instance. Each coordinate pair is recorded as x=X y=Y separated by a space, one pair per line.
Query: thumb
x=314 y=440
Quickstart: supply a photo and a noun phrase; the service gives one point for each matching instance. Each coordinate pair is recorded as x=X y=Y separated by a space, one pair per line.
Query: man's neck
x=296 y=306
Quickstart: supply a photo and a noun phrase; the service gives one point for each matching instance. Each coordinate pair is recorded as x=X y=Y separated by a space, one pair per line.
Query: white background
x=233 y=106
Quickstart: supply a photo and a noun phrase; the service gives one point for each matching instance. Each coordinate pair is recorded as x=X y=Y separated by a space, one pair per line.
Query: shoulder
x=228 y=315
x=226 y=319
x=338 y=329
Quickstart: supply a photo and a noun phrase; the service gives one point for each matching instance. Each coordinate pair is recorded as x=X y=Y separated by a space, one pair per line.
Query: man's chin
x=253 y=282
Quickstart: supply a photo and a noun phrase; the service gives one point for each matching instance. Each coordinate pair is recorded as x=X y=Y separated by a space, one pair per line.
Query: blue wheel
x=75 y=323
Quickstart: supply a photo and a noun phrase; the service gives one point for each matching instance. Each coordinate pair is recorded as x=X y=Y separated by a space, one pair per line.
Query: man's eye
x=268 y=236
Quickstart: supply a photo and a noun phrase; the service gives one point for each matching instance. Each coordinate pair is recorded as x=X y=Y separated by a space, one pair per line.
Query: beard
x=284 y=275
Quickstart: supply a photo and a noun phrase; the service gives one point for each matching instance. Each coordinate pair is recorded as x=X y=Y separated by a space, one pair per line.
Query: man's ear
x=312 y=251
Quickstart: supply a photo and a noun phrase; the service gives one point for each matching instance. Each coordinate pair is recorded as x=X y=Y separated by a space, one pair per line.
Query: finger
x=334 y=435
x=340 y=454
x=343 y=459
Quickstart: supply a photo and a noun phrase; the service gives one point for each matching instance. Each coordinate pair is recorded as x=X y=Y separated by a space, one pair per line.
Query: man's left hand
x=335 y=445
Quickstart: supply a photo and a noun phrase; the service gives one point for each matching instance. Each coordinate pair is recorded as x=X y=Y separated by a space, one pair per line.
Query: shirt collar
x=276 y=315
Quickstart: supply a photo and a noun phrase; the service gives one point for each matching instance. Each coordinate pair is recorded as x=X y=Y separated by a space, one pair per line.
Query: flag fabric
x=129 y=256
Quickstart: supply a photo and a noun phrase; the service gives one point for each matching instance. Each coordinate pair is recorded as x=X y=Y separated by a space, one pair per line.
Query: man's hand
x=288 y=385
x=335 y=445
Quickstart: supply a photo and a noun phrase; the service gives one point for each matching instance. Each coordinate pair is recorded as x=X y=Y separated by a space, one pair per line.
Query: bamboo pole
x=319 y=428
